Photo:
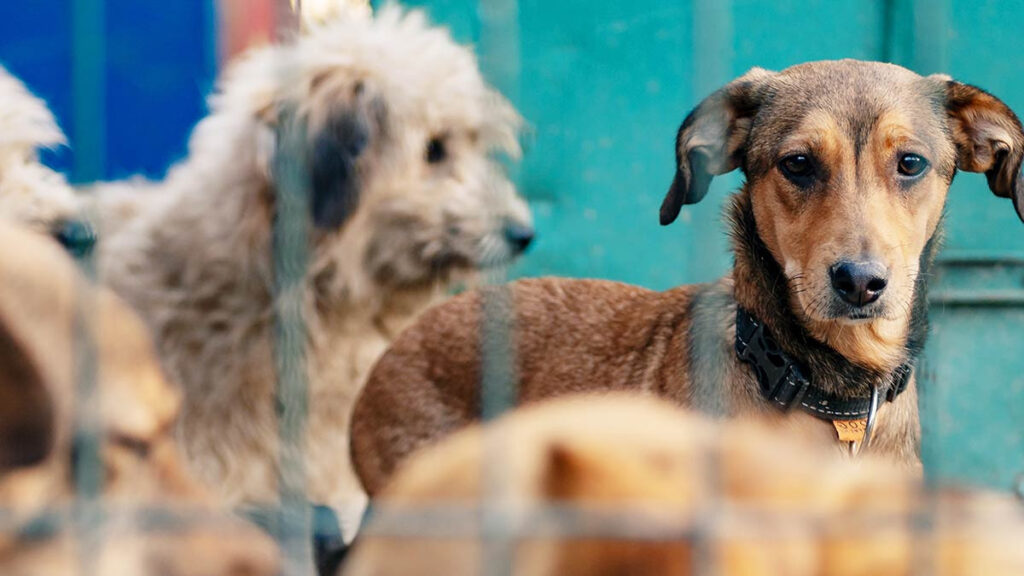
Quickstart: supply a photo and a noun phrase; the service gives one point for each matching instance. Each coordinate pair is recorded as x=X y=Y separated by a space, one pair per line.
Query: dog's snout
x=859 y=283
x=519 y=236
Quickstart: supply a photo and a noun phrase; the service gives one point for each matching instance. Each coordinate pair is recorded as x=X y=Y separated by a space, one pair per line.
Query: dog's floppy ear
x=710 y=141
x=27 y=421
x=330 y=150
x=341 y=140
x=332 y=169
x=988 y=139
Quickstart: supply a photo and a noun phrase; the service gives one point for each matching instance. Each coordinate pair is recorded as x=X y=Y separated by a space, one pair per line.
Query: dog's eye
x=139 y=447
x=436 y=151
x=912 y=165
x=798 y=168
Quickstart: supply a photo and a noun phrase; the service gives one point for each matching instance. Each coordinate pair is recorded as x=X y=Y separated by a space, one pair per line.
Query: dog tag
x=851 y=430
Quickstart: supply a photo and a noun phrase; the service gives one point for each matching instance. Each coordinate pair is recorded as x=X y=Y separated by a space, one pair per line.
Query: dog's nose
x=859 y=283
x=76 y=236
x=519 y=236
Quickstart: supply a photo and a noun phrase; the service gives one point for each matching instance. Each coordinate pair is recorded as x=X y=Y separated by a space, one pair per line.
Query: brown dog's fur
x=50 y=317
x=855 y=121
x=623 y=484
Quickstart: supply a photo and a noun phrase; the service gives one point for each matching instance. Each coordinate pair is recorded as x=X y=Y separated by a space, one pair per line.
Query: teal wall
x=604 y=85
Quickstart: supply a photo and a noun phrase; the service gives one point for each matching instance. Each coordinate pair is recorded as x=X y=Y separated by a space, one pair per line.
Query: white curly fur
x=30 y=193
x=195 y=259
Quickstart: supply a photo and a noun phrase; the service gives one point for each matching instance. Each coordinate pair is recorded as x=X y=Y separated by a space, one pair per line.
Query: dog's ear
x=330 y=145
x=585 y=470
x=988 y=139
x=332 y=167
x=710 y=141
x=574 y=472
x=27 y=421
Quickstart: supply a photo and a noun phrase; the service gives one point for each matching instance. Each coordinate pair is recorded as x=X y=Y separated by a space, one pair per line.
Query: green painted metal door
x=604 y=85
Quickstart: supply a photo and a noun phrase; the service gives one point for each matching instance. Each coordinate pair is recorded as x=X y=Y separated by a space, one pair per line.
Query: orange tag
x=851 y=430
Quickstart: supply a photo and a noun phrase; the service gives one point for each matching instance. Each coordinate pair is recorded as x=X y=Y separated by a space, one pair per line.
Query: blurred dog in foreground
x=51 y=323
x=386 y=129
x=30 y=193
x=825 y=313
x=626 y=484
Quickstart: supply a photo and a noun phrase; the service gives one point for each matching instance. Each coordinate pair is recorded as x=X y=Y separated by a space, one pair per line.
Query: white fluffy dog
x=30 y=193
x=395 y=131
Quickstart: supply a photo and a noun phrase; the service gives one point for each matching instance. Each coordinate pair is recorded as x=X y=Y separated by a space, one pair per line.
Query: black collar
x=784 y=382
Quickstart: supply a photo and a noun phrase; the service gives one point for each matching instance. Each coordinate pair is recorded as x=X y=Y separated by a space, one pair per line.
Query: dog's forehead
x=856 y=96
x=833 y=74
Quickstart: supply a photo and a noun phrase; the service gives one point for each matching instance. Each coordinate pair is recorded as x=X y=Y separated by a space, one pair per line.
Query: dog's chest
x=343 y=350
x=720 y=384
x=340 y=362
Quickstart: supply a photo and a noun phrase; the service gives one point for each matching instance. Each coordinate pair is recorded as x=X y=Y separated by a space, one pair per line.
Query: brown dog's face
x=848 y=165
x=847 y=188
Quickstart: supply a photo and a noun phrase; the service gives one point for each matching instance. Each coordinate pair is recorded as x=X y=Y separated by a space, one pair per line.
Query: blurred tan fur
x=52 y=321
x=648 y=489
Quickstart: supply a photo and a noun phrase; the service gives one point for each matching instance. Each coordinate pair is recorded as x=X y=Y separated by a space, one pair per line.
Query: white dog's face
x=398 y=141
x=430 y=198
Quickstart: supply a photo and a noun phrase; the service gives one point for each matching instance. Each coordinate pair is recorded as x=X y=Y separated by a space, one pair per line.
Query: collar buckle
x=780 y=379
x=900 y=380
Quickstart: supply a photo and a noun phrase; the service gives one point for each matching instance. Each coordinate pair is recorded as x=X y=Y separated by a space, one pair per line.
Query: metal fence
x=295 y=524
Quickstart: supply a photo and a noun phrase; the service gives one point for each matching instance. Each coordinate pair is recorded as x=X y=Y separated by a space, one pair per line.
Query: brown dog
x=623 y=484
x=848 y=165
x=51 y=319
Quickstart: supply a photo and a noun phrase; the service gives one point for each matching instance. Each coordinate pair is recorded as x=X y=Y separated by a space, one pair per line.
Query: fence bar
x=498 y=394
x=88 y=85
x=88 y=81
x=499 y=47
x=930 y=55
x=713 y=55
x=290 y=258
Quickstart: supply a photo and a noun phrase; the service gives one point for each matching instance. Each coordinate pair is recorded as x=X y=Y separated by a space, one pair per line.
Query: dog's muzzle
x=519 y=236
x=77 y=237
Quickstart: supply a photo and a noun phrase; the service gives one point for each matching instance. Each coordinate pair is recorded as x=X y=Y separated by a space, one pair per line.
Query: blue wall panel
x=159 y=61
x=35 y=45
x=161 y=64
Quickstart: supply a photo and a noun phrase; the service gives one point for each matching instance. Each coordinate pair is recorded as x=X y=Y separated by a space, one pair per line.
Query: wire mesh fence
x=497 y=523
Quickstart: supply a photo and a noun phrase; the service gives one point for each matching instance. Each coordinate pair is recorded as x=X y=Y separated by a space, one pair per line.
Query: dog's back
x=565 y=335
